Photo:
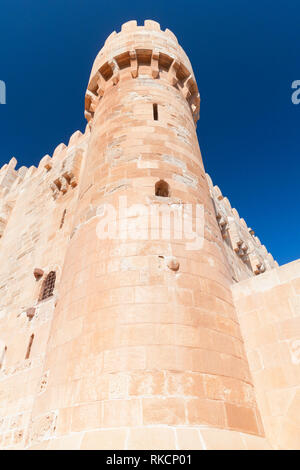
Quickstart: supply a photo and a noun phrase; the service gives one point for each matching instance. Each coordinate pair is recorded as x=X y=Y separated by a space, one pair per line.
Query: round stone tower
x=145 y=349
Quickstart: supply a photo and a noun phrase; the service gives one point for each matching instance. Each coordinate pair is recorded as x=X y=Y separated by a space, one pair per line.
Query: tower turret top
x=136 y=46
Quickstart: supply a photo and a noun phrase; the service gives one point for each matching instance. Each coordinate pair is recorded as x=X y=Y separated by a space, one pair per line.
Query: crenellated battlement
x=10 y=178
x=236 y=234
x=137 y=48
x=62 y=170
x=151 y=25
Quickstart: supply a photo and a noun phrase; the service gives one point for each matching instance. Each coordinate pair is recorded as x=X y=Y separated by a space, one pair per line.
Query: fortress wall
x=246 y=255
x=30 y=240
x=269 y=314
x=140 y=345
x=146 y=328
x=32 y=237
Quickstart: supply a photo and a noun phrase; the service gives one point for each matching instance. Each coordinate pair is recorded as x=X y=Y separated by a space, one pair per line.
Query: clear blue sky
x=245 y=55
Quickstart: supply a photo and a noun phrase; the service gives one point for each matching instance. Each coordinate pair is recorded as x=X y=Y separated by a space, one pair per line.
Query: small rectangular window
x=155 y=112
x=48 y=286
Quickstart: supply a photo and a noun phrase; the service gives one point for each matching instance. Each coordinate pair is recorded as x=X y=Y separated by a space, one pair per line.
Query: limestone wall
x=246 y=255
x=38 y=219
x=269 y=314
x=140 y=343
x=33 y=237
x=149 y=345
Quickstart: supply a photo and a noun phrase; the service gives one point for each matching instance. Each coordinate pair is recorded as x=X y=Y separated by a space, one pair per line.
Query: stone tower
x=138 y=341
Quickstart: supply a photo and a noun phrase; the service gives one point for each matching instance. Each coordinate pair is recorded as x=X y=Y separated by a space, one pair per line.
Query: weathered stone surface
x=139 y=335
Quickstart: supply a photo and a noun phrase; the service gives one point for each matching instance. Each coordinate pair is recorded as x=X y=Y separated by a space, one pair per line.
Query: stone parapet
x=248 y=256
x=134 y=49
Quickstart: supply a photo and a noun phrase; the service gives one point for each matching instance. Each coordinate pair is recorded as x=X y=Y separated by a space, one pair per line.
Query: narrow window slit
x=155 y=112
x=63 y=219
x=29 y=347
